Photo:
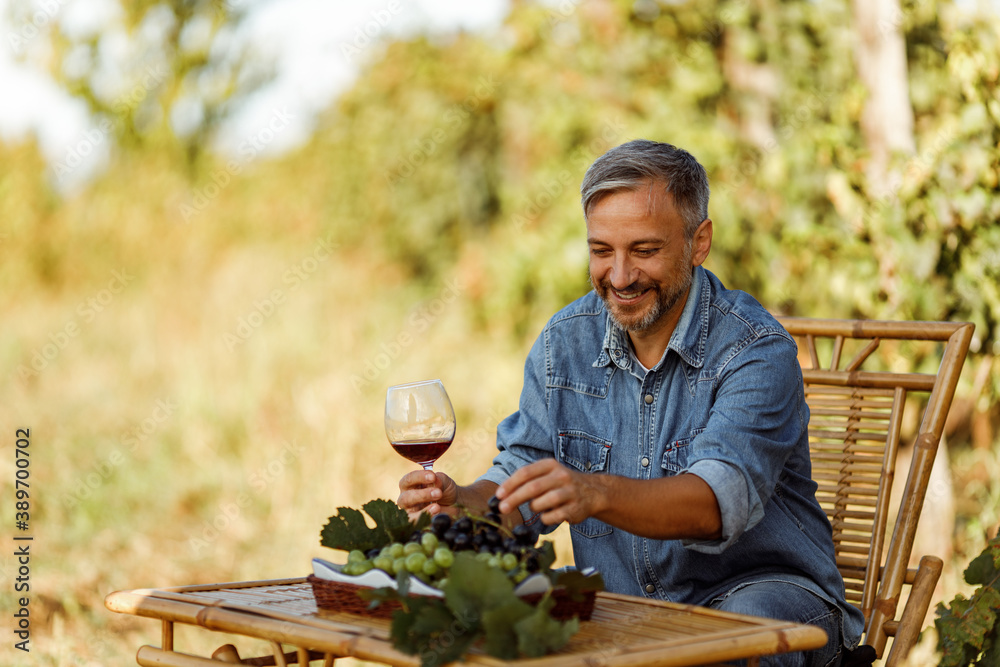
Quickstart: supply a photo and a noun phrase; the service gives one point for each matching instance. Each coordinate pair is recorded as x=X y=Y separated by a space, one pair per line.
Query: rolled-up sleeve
x=753 y=429
x=730 y=489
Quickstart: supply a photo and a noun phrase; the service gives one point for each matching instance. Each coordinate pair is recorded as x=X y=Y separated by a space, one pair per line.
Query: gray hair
x=633 y=164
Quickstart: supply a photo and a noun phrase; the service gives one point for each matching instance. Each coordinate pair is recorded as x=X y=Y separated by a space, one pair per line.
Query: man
x=663 y=417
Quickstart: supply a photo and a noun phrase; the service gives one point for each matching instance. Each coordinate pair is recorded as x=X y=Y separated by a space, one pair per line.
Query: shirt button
x=648 y=399
x=650 y=588
x=617 y=353
x=588 y=465
x=645 y=461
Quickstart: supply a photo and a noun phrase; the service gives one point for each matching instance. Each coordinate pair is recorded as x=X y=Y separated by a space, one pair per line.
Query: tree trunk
x=887 y=119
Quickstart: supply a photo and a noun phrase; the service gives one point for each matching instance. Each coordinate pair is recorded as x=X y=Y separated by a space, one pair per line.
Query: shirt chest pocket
x=587 y=454
x=675 y=456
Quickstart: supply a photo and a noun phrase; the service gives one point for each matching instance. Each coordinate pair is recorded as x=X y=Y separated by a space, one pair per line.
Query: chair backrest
x=858 y=405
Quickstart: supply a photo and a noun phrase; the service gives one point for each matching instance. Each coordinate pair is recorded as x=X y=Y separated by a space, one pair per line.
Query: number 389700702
x=21 y=475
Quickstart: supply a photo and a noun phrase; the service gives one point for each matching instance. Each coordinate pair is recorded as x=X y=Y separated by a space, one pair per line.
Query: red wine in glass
x=423 y=453
x=419 y=421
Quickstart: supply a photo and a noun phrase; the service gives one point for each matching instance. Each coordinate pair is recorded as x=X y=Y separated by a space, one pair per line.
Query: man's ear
x=701 y=244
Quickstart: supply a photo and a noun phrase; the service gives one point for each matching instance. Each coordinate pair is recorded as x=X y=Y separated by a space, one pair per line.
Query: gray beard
x=664 y=302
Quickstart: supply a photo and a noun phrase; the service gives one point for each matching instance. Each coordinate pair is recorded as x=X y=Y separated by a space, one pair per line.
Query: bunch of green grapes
x=430 y=553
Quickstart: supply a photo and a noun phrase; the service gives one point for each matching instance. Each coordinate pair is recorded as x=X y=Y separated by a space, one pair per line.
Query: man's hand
x=425 y=491
x=555 y=491
x=559 y=493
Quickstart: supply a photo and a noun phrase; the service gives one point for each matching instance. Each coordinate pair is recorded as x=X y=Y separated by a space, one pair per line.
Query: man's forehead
x=650 y=200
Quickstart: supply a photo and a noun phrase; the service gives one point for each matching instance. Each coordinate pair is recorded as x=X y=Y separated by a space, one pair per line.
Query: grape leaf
x=984 y=567
x=546 y=555
x=967 y=627
x=376 y=596
x=576 y=583
x=539 y=633
x=498 y=625
x=348 y=530
x=474 y=587
x=977 y=622
x=480 y=603
x=991 y=653
x=430 y=630
x=953 y=649
x=393 y=521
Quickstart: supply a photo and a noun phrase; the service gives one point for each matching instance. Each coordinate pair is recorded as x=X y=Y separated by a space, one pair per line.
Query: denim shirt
x=725 y=403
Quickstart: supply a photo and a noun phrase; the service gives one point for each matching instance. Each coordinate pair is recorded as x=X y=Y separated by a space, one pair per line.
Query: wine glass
x=419 y=421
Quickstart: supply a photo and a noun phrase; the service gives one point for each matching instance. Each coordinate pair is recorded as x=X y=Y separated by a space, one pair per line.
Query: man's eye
x=645 y=252
x=600 y=252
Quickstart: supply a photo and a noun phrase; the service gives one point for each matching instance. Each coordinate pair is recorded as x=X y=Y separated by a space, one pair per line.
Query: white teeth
x=627 y=296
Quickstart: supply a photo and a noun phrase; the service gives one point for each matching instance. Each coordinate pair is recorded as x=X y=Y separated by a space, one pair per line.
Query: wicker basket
x=343 y=597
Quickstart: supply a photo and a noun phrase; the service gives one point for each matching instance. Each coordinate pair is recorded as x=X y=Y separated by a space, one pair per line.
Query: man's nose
x=623 y=272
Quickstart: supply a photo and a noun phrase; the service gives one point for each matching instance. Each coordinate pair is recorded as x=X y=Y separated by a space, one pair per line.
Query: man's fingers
x=417 y=479
x=418 y=498
x=540 y=482
x=525 y=473
x=516 y=489
x=549 y=488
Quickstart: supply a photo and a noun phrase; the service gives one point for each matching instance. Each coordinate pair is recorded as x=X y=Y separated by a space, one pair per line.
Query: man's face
x=640 y=260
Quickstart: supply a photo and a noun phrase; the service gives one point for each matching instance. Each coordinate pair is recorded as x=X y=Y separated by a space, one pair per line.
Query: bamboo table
x=623 y=630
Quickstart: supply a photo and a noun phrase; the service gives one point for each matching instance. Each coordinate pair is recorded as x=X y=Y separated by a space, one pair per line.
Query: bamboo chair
x=855 y=427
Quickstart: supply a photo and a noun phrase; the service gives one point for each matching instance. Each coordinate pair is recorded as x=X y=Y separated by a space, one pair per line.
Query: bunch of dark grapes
x=430 y=553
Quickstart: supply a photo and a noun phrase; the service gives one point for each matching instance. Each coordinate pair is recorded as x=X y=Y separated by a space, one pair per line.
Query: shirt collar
x=688 y=339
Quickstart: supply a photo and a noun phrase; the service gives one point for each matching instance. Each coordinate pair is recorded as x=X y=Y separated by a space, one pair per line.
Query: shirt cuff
x=495 y=474
x=498 y=476
x=730 y=489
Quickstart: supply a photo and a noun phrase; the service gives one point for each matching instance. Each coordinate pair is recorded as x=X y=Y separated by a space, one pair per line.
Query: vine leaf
x=348 y=529
x=985 y=566
x=479 y=603
x=430 y=630
x=499 y=624
x=967 y=628
x=539 y=633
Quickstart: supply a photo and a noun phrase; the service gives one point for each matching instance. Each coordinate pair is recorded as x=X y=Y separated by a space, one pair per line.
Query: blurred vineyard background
x=200 y=341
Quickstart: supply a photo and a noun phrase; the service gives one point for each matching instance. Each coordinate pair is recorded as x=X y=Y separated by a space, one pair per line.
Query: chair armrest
x=908 y=628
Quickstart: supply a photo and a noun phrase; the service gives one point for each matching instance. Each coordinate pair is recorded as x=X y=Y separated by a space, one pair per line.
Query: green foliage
x=968 y=633
x=347 y=530
x=576 y=583
x=483 y=177
x=479 y=604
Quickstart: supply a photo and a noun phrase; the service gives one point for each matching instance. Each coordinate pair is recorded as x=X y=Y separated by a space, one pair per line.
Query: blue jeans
x=788 y=602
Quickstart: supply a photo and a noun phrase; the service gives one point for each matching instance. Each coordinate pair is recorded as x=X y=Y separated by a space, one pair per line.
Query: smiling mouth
x=629 y=296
